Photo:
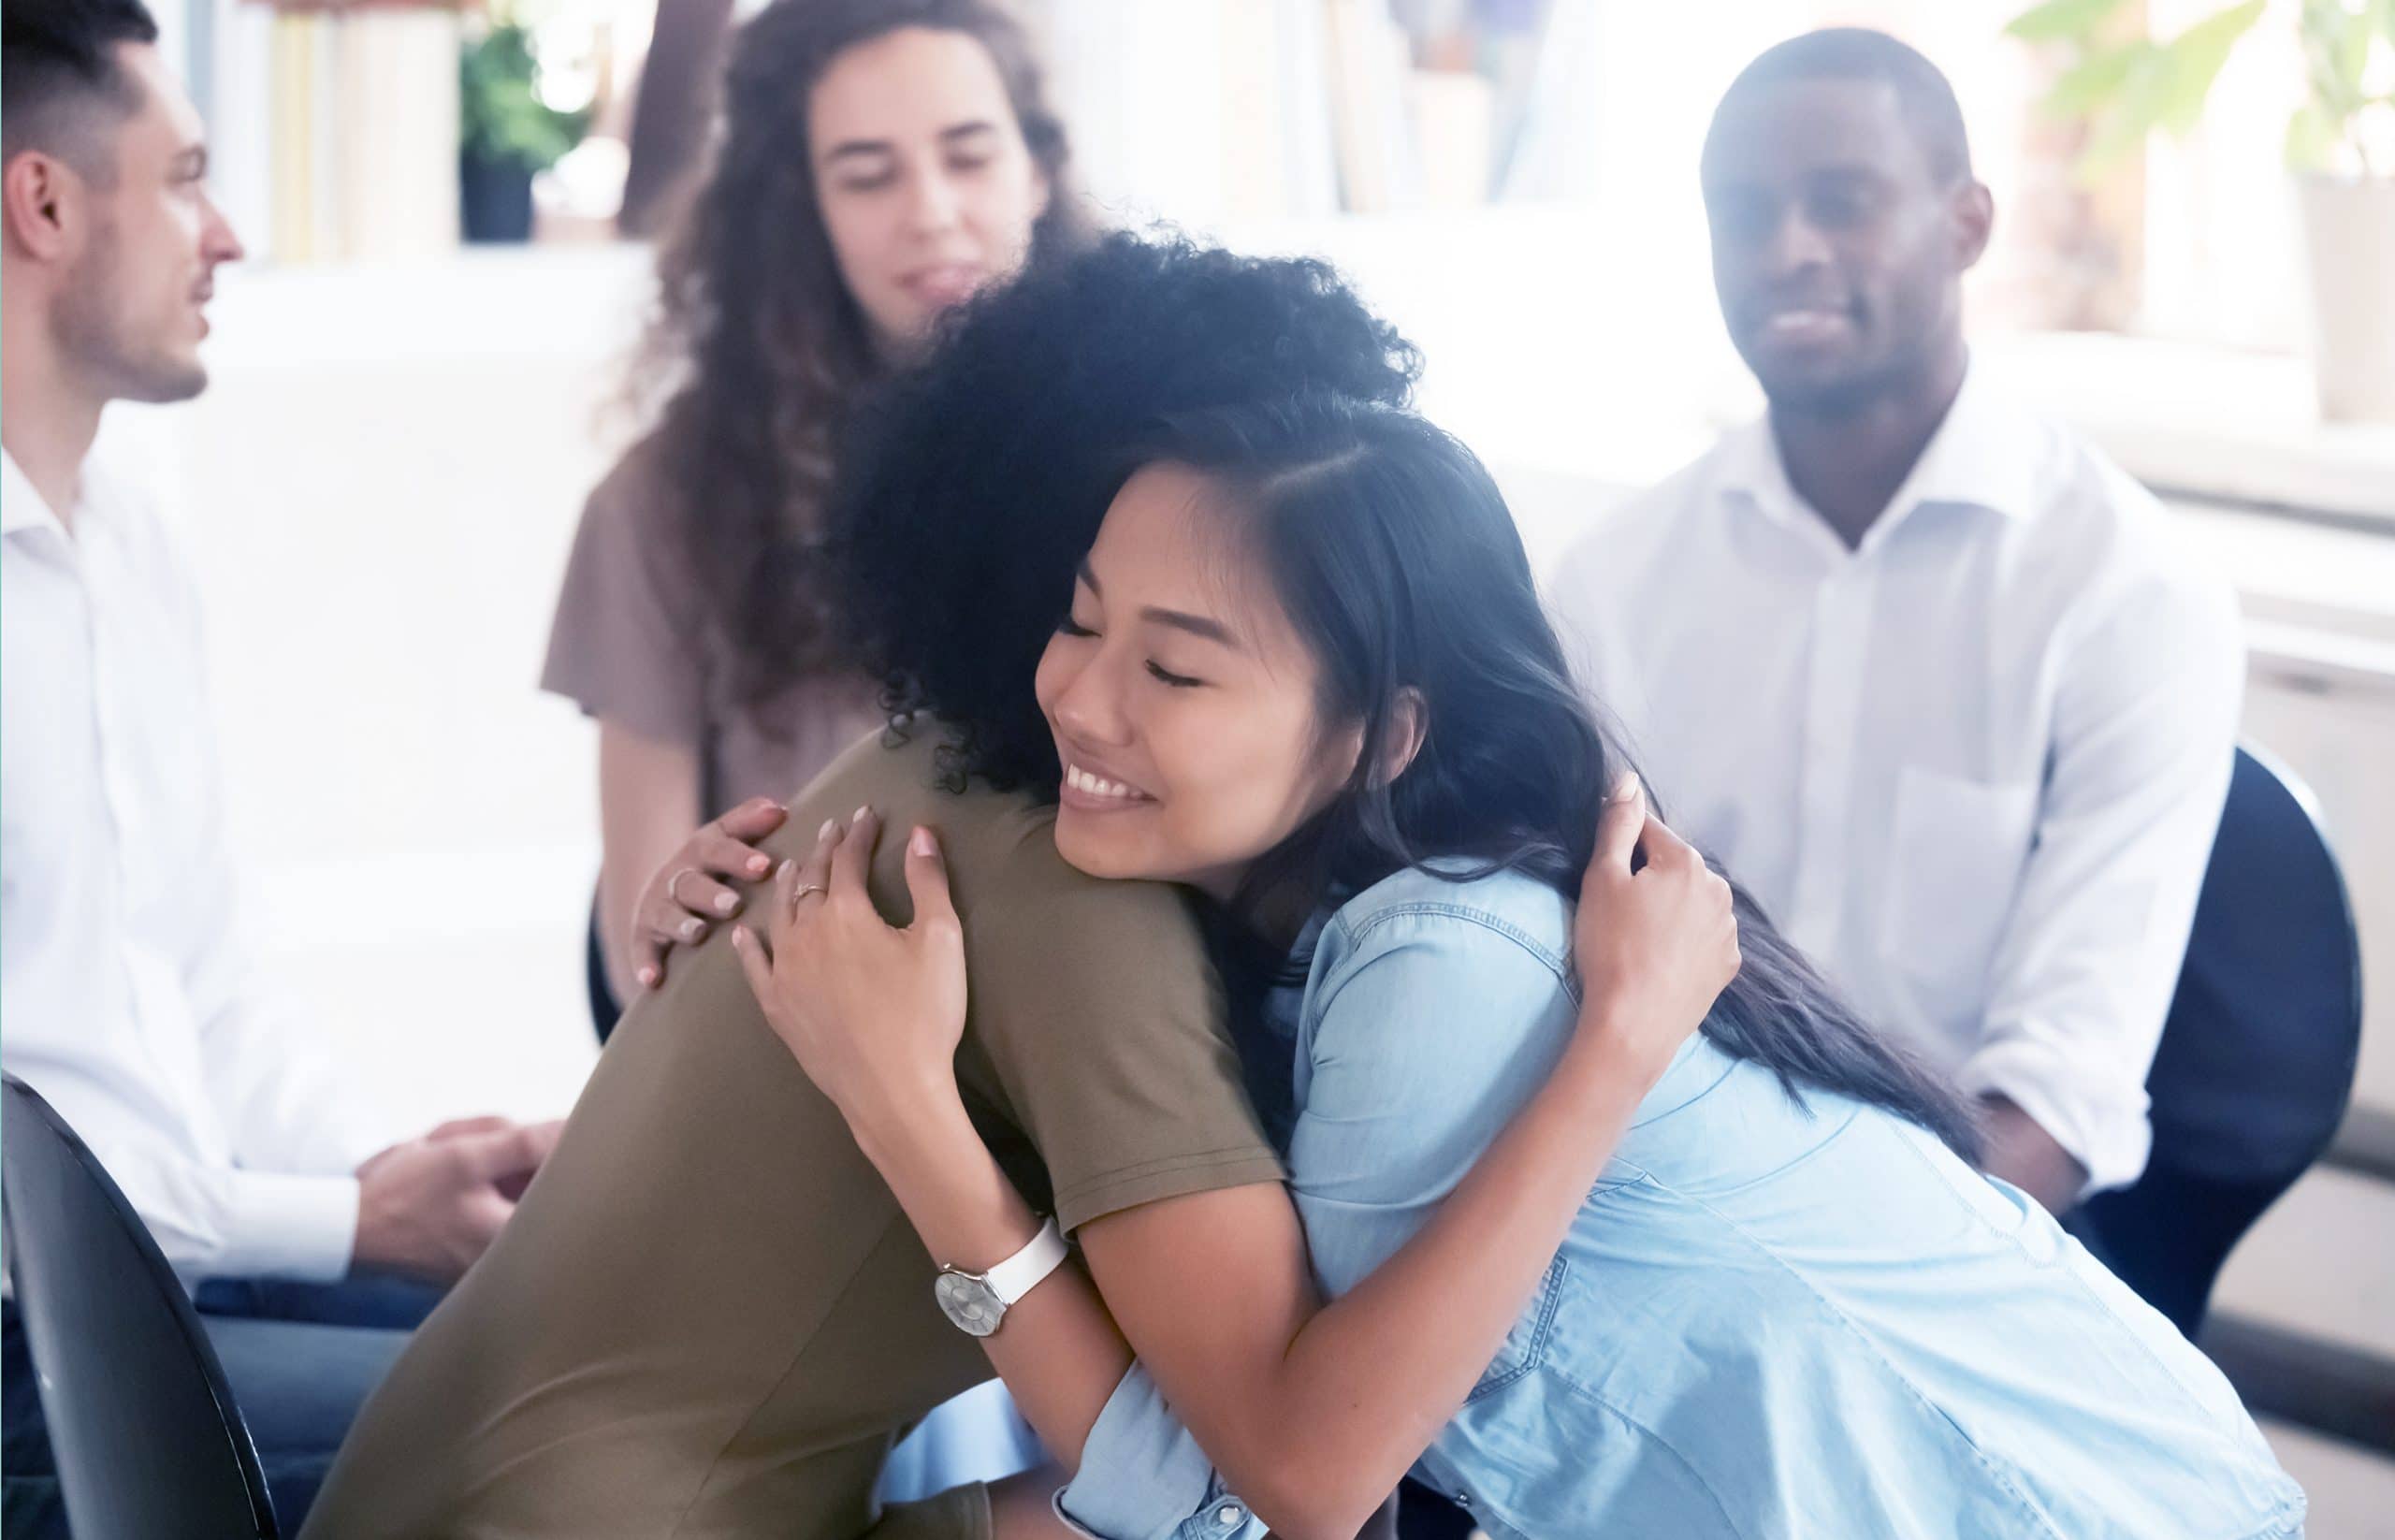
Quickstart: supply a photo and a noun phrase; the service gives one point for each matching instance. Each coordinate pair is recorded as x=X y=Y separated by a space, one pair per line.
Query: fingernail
x=921 y=842
x=648 y=978
x=690 y=929
x=863 y=813
x=1627 y=787
x=785 y=869
x=757 y=864
x=740 y=937
x=725 y=902
x=830 y=827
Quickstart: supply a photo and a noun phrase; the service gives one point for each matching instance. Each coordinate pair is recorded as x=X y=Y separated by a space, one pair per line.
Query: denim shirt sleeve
x=1144 y=1478
x=1427 y=1027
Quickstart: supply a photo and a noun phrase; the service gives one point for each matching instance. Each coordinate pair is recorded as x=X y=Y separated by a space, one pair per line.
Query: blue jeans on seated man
x=300 y=1359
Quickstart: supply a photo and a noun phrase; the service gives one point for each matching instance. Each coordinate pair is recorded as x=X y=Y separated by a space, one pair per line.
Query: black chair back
x=148 y=1441
x=2256 y=1059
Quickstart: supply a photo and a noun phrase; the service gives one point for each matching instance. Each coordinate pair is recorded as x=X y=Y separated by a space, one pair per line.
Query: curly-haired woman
x=879 y=160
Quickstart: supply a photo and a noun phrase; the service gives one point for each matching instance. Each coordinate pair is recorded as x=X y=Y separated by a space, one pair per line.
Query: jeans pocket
x=1525 y=1347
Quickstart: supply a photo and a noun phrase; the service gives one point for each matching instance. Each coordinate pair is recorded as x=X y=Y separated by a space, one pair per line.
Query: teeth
x=1096 y=786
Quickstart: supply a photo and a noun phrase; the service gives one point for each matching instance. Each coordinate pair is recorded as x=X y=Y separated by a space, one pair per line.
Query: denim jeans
x=299 y=1358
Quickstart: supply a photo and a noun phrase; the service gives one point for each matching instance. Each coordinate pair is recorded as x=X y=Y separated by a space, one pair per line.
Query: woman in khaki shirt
x=879 y=162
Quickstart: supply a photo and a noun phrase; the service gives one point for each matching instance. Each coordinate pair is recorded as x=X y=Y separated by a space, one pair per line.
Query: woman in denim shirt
x=1761 y=1293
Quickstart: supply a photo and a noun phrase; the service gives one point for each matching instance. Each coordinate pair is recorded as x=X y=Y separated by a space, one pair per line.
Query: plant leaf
x=2058 y=21
x=2120 y=129
x=2311 y=138
x=2196 y=56
x=2336 y=51
x=2353 y=57
x=2095 y=80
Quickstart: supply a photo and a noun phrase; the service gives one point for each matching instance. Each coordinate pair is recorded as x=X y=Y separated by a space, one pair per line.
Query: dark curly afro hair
x=974 y=484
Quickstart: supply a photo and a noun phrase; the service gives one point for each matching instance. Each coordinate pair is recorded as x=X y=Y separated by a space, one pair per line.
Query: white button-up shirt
x=130 y=1000
x=1973 y=766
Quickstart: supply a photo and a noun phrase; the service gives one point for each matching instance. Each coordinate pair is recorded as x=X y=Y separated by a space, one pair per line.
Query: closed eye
x=1178 y=681
x=1070 y=626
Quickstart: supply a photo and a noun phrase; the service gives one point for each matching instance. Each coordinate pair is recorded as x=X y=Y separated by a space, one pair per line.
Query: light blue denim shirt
x=1768 y=1319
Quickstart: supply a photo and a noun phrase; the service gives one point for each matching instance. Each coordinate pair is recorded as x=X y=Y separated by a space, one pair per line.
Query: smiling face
x=1838 y=250
x=1183 y=703
x=132 y=311
x=927 y=189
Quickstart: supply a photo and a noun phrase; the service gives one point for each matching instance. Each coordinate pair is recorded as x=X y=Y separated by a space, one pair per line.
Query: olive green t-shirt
x=708 y=1318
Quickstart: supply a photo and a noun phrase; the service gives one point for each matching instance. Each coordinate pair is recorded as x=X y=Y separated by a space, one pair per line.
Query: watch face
x=969 y=1302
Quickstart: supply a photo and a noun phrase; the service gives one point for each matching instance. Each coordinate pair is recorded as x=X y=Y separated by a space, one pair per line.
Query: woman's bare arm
x=1313 y=1412
x=649 y=804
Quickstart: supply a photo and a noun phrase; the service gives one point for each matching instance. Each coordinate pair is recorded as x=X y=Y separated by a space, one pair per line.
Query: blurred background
x=423 y=368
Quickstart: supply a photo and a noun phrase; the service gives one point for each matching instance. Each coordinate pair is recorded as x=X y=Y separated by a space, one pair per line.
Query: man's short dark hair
x=60 y=80
x=1924 y=94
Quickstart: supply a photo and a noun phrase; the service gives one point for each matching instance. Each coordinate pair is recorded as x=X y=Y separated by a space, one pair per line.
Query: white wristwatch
x=978 y=1301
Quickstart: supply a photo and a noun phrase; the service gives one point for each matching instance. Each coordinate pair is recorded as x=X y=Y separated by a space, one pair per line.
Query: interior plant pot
x=2349 y=241
x=497 y=199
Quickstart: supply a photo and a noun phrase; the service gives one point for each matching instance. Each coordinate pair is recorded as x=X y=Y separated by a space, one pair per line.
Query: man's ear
x=1972 y=209
x=1409 y=724
x=41 y=206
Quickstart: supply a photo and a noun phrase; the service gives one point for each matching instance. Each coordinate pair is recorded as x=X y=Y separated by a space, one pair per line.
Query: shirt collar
x=1985 y=455
x=22 y=506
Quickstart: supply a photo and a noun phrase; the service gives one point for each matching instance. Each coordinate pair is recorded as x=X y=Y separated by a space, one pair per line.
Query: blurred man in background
x=1930 y=674
x=131 y=1002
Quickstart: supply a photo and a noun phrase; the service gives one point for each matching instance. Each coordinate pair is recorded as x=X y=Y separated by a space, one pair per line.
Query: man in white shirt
x=1932 y=676
x=130 y=1002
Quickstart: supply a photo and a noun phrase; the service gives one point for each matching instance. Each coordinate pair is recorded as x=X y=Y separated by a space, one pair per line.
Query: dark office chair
x=148 y=1441
x=606 y=1009
x=2256 y=1059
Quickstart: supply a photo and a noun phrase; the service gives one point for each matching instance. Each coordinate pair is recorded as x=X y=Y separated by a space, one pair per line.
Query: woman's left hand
x=872 y=1013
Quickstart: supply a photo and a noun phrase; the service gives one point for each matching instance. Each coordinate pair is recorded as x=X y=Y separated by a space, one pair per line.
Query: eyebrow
x=1847 y=174
x=850 y=148
x=1835 y=171
x=1195 y=625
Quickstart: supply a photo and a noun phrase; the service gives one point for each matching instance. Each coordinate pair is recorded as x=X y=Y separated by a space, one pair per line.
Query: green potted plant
x=2340 y=146
x=507 y=134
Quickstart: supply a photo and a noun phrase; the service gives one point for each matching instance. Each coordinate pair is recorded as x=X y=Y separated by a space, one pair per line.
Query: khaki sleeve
x=1103 y=1023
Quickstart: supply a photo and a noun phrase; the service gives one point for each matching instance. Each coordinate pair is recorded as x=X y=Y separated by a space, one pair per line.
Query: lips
x=1808 y=326
x=1090 y=790
x=1802 y=324
x=949 y=283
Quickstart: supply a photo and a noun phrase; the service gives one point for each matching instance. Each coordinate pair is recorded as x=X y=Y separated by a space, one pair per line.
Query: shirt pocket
x=1525 y=1347
x=1955 y=853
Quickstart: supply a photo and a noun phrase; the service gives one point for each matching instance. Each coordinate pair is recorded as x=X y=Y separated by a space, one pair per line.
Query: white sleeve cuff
x=289 y=1227
x=2101 y=1124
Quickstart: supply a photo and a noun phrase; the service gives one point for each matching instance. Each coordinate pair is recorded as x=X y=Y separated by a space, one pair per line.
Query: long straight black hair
x=1399 y=564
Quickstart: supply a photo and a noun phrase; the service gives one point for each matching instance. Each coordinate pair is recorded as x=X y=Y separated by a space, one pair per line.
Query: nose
x=933 y=206
x=1090 y=706
x=1796 y=244
x=218 y=242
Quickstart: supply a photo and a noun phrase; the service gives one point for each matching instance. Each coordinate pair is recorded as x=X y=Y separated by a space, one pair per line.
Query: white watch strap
x=1019 y=1274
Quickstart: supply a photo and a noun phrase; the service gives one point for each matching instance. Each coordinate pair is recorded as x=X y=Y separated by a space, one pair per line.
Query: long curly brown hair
x=759 y=341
